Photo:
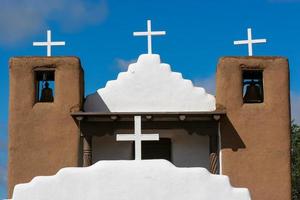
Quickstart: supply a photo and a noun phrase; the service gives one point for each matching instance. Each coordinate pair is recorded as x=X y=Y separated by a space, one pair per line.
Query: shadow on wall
x=110 y=128
x=230 y=137
x=96 y=102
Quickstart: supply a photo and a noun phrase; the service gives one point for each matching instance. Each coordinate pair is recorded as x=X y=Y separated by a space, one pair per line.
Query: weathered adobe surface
x=256 y=137
x=43 y=137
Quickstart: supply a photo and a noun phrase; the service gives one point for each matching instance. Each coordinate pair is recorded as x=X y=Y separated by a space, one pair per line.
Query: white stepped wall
x=150 y=86
x=131 y=180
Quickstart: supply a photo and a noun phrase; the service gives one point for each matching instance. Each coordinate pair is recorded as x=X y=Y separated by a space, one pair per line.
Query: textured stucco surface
x=131 y=180
x=43 y=137
x=256 y=137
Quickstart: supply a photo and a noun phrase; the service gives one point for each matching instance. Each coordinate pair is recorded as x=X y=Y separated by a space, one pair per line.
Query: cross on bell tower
x=49 y=43
x=250 y=41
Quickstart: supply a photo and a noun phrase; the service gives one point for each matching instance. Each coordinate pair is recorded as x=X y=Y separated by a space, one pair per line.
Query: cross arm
x=125 y=137
x=58 y=43
x=158 y=33
x=151 y=33
x=140 y=33
x=149 y=137
x=241 y=42
x=39 y=43
x=259 y=41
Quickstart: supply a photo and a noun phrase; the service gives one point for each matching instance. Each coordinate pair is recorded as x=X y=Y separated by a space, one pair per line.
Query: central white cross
x=49 y=43
x=149 y=34
x=137 y=137
x=250 y=42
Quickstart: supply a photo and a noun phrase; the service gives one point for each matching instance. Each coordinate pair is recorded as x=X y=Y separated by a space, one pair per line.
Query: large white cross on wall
x=250 y=41
x=49 y=43
x=137 y=137
x=149 y=34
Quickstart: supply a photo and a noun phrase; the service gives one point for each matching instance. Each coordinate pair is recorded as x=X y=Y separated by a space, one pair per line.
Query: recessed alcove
x=44 y=85
x=191 y=142
x=186 y=150
x=252 y=90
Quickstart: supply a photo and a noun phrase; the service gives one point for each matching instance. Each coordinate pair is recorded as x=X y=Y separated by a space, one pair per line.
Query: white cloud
x=20 y=19
x=123 y=64
x=208 y=83
x=295 y=107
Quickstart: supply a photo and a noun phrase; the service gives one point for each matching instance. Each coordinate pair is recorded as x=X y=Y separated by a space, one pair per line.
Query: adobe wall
x=256 y=137
x=43 y=137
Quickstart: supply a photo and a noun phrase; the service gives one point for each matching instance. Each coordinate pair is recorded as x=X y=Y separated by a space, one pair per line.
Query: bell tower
x=43 y=137
x=255 y=135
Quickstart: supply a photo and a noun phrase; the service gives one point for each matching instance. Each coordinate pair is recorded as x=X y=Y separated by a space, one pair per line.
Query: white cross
x=250 y=41
x=49 y=43
x=137 y=137
x=149 y=34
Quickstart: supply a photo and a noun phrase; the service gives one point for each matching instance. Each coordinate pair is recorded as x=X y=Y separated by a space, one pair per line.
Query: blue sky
x=100 y=33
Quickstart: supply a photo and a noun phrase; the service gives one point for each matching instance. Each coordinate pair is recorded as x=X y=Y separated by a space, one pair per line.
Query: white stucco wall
x=188 y=150
x=131 y=180
x=149 y=86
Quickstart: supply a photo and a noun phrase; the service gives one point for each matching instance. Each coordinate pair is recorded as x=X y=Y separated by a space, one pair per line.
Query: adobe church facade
x=242 y=132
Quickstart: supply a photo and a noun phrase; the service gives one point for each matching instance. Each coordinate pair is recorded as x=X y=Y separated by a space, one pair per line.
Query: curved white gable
x=131 y=180
x=150 y=86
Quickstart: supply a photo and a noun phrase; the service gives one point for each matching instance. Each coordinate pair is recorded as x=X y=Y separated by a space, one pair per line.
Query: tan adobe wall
x=43 y=137
x=256 y=137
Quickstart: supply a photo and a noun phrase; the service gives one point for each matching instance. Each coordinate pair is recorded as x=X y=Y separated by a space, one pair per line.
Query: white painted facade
x=131 y=180
x=150 y=86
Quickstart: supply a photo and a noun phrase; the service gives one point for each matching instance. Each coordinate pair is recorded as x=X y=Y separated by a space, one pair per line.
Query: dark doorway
x=156 y=149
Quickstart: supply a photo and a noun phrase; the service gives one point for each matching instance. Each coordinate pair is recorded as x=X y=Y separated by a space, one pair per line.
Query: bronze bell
x=47 y=94
x=253 y=93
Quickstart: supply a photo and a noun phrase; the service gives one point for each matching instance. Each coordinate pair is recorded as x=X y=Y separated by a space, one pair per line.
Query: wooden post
x=213 y=154
x=214 y=148
x=87 y=150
